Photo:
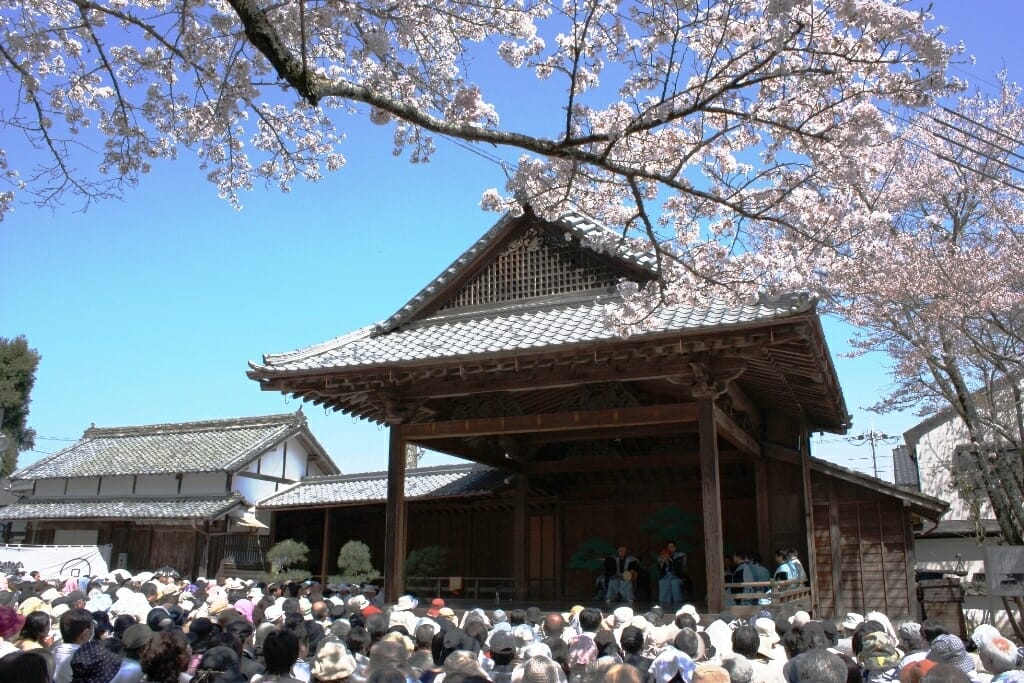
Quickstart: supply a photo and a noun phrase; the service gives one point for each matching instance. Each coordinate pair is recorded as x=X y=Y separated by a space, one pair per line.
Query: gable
x=526 y=259
x=537 y=263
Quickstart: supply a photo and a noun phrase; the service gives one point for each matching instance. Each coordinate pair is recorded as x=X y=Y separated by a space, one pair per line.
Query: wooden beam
x=395 y=518
x=577 y=420
x=835 y=537
x=711 y=503
x=325 y=549
x=812 y=555
x=734 y=434
x=635 y=463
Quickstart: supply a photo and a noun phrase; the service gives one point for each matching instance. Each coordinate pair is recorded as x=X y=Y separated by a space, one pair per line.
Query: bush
x=431 y=560
x=287 y=554
x=354 y=563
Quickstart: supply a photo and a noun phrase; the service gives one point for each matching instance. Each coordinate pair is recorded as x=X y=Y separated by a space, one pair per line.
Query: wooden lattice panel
x=536 y=264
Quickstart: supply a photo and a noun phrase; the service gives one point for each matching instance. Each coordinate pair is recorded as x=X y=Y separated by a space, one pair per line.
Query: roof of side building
x=207 y=446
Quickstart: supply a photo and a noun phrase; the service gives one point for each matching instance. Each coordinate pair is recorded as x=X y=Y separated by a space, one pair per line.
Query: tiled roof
x=514 y=328
x=368 y=487
x=593 y=234
x=210 y=446
x=122 y=508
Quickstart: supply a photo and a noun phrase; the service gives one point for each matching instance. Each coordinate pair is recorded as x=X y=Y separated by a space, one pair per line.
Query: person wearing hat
x=333 y=663
x=949 y=649
x=502 y=648
x=94 y=663
x=878 y=657
x=76 y=629
x=402 y=613
x=134 y=639
x=434 y=611
x=540 y=669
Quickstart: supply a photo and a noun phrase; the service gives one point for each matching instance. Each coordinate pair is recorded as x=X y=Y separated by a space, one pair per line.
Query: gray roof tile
x=209 y=446
x=122 y=508
x=513 y=328
x=370 y=487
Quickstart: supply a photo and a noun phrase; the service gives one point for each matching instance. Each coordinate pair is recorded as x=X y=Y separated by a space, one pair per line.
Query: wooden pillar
x=519 y=538
x=325 y=546
x=913 y=604
x=835 y=537
x=812 y=564
x=711 y=502
x=394 y=517
x=764 y=528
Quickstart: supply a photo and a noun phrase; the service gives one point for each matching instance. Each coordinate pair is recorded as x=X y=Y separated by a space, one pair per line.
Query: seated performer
x=672 y=565
x=619 y=572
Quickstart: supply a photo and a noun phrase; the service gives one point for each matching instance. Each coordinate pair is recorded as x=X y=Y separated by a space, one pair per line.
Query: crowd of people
x=159 y=628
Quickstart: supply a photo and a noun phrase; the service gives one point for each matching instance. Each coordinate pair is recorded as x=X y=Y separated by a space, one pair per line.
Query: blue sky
x=146 y=310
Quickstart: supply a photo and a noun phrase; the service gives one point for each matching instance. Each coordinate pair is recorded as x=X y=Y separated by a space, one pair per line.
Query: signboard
x=55 y=561
x=1004 y=570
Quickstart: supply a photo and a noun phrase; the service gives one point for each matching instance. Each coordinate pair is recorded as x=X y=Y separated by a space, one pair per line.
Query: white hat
x=766 y=631
x=622 y=615
x=358 y=603
x=691 y=610
x=272 y=614
x=50 y=594
x=406 y=602
x=234 y=584
x=142 y=577
x=852 y=621
x=800 y=618
x=255 y=594
x=60 y=609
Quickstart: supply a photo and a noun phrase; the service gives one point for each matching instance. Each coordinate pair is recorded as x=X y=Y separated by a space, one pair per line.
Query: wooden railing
x=784 y=597
x=480 y=588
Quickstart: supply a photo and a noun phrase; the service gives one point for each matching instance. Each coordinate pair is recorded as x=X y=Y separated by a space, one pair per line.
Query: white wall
x=255 y=489
x=157 y=485
x=295 y=468
x=934 y=465
x=271 y=463
x=205 y=483
x=83 y=486
x=116 y=485
x=47 y=488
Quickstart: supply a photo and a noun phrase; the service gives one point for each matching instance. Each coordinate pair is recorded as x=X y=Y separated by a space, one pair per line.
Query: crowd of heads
x=161 y=628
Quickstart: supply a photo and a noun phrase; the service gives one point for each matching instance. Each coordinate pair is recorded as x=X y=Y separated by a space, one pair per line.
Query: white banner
x=55 y=561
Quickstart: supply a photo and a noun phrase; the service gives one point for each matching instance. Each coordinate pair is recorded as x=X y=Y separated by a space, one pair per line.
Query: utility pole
x=873 y=438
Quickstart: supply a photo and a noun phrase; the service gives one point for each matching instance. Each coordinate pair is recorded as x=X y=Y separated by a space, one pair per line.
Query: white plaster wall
x=934 y=463
x=253 y=489
x=204 y=483
x=939 y=554
x=271 y=463
x=83 y=486
x=45 y=488
x=295 y=468
x=116 y=486
x=157 y=485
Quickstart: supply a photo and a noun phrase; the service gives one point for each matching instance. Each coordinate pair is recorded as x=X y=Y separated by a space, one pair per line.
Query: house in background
x=927 y=462
x=167 y=494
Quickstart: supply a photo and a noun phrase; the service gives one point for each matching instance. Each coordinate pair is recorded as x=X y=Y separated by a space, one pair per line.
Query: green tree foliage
x=284 y=556
x=431 y=560
x=18 y=365
x=591 y=553
x=672 y=524
x=354 y=563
